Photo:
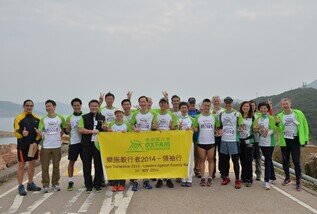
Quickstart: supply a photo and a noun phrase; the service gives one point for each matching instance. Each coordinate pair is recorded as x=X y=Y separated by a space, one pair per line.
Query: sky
x=61 y=49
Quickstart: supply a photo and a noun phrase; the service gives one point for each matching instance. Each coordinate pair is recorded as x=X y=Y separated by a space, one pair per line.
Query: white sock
x=71 y=179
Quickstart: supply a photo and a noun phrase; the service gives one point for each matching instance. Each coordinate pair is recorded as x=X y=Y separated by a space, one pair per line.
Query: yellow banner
x=157 y=154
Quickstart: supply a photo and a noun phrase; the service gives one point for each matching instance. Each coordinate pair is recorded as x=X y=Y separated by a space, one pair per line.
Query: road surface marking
x=37 y=203
x=107 y=204
x=125 y=202
x=72 y=201
x=85 y=206
x=16 y=204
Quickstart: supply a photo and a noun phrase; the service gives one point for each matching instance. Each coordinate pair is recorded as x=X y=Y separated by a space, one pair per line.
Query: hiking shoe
x=225 y=181
x=188 y=184
x=203 y=182
x=298 y=187
x=88 y=190
x=21 y=190
x=70 y=186
x=209 y=182
x=287 y=182
x=135 y=186
x=120 y=188
x=248 y=184
x=45 y=190
x=183 y=184
x=32 y=187
x=147 y=185
x=114 y=188
x=55 y=188
x=169 y=183
x=267 y=186
x=159 y=183
x=237 y=184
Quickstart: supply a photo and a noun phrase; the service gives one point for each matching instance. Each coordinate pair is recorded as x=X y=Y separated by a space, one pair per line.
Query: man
x=230 y=121
x=256 y=147
x=89 y=126
x=127 y=112
x=108 y=110
x=175 y=103
x=193 y=112
x=51 y=127
x=24 y=130
x=293 y=133
x=217 y=110
x=165 y=121
x=75 y=147
x=143 y=120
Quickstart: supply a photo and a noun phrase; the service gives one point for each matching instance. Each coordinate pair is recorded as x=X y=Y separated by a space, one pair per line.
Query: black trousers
x=246 y=158
x=217 y=145
x=268 y=163
x=293 y=148
x=225 y=164
x=91 y=152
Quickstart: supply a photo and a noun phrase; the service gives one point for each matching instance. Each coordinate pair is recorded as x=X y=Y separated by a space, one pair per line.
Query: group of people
x=240 y=135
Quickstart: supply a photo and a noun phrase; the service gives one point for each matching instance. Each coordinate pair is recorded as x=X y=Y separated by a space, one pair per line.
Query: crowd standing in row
x=236 y=135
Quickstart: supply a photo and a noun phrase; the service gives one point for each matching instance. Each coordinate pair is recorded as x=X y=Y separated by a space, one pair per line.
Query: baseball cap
x=228 y=100
x=191 y=100
x=118 y=109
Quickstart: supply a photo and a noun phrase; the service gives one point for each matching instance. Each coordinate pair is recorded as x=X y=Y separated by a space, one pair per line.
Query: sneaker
x=98 y=189
x=287 y=182
x=55 y=188
x=178 y=180
x=237 y=184
x=159 y=183
x=21 y=190
x=135 y=186
x=188 y=184
x=70 y=186
x=197 y=174
x=267 y=186
x=183 y=184
x=103 y=183
x=298 y=187
x=88 y=190
x=147 y=185
x=114 y=188
x=153 y=179
x=248 y=184
x=169 y=183
x=273 y=181
x=225 y=181
x=32 y=187
x=45 y=190
x=120 y=188
x=258 y=177
x=209 y=182
x=203 y=182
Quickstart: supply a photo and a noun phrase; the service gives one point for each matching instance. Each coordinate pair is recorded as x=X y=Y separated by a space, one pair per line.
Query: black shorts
x=206 y=146
x=23 y=156
x=74 y=151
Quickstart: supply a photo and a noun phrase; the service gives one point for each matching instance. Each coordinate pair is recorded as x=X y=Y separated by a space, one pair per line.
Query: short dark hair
x=75 y=100
x=50 y=101
x=28 y=100
x=206 y=100
x=125 y=100
x=183 y=104
x=147 y=100
x=264 y=104
x=109 y=94
x=175 y=96
x=93 y=101
x=250 y=113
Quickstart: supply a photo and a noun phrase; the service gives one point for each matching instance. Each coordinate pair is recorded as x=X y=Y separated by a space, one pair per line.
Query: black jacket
x=89 y=124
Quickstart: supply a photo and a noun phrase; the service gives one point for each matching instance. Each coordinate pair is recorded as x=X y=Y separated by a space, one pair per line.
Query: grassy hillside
x=304 y=99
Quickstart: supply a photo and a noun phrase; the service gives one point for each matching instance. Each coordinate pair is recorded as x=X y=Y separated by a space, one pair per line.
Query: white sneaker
x=267 y=186
x=45 y=190
x=55 y=188
x=273 y=182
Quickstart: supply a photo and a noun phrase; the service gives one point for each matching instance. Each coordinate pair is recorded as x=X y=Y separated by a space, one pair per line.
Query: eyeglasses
x=29 y=105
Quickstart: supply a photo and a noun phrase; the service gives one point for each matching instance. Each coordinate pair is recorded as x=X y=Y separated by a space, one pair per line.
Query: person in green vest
x=293 y=133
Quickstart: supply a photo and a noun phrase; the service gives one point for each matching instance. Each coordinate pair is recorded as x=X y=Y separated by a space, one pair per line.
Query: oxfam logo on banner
x=150 y=144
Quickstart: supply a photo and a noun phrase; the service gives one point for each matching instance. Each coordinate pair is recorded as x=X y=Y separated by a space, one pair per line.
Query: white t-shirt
x=290 y=126
x=247 y=127
x=186 y=121
x=229 y=126
x=143 y=121
x=206 y=125
x=108 y=113
x=52 y=129
x=177 y=113
x=127 y=118
x=163 y=121
x=124 y=127
x=75 y=136
x=263 y=124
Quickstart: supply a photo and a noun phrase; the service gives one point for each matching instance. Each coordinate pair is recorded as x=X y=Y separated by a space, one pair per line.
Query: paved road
x=216 y=199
